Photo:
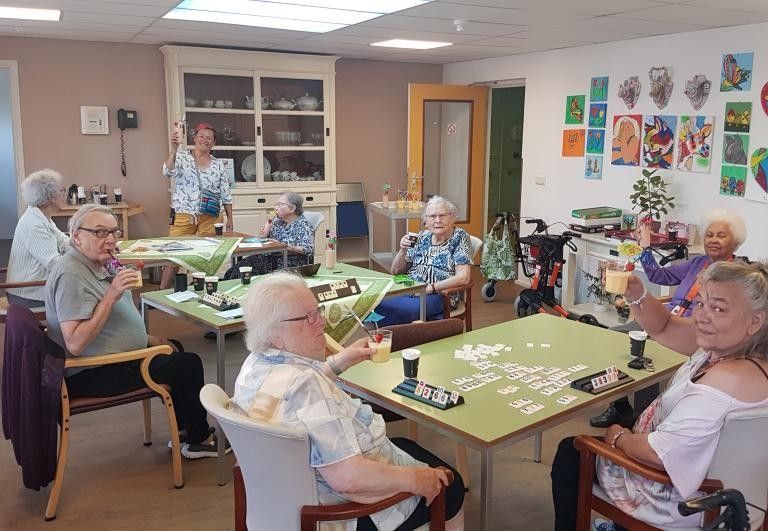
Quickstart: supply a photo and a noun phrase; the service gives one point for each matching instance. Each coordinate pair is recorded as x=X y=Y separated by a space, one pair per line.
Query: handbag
x=210 y=200
x=498 y=260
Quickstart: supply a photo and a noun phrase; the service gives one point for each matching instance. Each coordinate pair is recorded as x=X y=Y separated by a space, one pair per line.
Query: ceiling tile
x=755 y=6
x=494 y=15
x=384 y=33
x=585 y=7
x=634 y=27
x=143 y=8
x=438 y=25
x=700 y=16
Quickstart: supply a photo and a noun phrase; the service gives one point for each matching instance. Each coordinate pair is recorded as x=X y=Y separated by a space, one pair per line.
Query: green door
x=506 y=161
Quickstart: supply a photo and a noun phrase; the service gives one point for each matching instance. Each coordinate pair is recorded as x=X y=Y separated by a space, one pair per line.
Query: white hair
x=733 y=220
x=41 y=187
x=296 y=200
x=437 y=200
x=76 y=221
x=265 y=307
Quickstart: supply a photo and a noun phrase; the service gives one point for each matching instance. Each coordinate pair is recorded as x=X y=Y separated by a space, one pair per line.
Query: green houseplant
x=651 y=198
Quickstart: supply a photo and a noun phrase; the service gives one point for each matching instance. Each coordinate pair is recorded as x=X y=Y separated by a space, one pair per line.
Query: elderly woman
x=725 y=232
x=440 y=257
x=287 y=379
x=37 y=242
x=727 y=339
x=289 y=226
x=200 y=188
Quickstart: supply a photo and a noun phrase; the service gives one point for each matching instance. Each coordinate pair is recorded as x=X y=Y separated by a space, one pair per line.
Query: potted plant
x=596 y=288
x=651 y=198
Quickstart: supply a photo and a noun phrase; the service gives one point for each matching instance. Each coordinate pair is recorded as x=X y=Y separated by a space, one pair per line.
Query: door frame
x=18 y=148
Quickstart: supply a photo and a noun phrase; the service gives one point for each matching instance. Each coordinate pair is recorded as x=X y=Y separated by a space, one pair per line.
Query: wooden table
x=486 y=422
x=123 y=211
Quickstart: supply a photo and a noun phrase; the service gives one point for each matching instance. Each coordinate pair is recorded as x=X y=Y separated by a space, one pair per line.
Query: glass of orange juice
x=381 y=340
x=616 y=278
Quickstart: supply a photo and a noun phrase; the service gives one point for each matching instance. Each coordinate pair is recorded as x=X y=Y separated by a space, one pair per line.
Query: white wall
x=551 y=76
x=8 y=207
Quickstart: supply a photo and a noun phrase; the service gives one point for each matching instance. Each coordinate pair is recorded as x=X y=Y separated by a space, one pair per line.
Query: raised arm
x=400 y=261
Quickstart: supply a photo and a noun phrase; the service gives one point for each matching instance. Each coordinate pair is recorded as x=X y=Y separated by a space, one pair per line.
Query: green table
x=204 y=318
x=486 y=422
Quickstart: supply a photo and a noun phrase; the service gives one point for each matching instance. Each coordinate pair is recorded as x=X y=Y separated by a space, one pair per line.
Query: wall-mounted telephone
x=125 y=120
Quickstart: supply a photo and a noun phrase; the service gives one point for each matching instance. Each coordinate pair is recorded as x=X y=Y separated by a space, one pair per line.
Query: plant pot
x=655 y=226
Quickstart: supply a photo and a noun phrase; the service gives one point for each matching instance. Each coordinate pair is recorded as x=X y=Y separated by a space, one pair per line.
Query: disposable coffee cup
x=180 y=282
x=218 y=228
x=411 y=362
x=198 y=281
x=118 y=195
x=637 y=343
x=245 y=274
x=211 y=284
x=103 y=199
x=672 y=235
x=414 y=237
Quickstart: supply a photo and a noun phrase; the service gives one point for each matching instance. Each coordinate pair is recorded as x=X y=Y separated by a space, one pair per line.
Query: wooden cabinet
x=274 y=119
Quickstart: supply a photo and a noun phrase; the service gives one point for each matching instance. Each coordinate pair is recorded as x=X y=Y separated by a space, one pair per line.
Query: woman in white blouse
x=37 y=242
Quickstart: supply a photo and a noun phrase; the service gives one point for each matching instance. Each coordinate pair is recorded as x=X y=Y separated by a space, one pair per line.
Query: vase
x=385 y=200
x=655 y=226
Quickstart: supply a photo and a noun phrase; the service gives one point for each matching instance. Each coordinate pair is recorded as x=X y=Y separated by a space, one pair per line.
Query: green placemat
x=203 y=258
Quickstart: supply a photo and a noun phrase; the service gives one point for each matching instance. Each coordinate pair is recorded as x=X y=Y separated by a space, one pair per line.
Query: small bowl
x=190 y=102
x=249 y=105
x=228 y=104
x=208 y=103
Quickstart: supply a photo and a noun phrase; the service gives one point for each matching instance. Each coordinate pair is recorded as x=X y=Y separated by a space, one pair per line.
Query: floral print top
x=298 y=233
x=432 y=263
x=185 y=197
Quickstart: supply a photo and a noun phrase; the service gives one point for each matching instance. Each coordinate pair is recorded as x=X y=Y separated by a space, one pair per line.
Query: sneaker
x=183 y=437
x=205 y=449
x=603 y=525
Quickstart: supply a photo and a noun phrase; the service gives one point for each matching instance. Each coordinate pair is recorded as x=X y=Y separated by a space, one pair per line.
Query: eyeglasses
x=103 y=233
x=280 y=203
x=312 y=317
x=443 y=215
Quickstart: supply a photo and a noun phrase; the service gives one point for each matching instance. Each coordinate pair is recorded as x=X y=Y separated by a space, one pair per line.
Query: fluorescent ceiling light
x=414 y=45
x=27 y=13
x=319 y=16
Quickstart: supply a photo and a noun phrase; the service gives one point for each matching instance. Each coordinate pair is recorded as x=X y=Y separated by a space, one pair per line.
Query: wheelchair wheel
x=488 y=291
x=523 y=308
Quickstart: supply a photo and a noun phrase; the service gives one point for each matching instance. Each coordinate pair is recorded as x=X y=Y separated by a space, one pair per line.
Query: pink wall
x=56 y=77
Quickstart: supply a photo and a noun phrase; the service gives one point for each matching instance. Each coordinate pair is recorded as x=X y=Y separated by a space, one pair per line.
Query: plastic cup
x=198 y=281
x=672 y=235
x=414 y=237
x=637 y=343
x=245 y=274
x=218 y=228
x=616 y=278
x=139 y=280
x=383 y=347
x=330 y=258
x=211 y=284
x=411 y=362
x=118 y=195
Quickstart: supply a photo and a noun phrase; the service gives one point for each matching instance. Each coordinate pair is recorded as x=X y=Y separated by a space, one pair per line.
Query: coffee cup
x=411 y=362
x=218 y=228
x=245 y=274
x=198 y=281
x=414 y=237
x=180 y=282
x=103 y=199
x=637 y=342
x=211 y=284
x=118 y=195
x=672 y=235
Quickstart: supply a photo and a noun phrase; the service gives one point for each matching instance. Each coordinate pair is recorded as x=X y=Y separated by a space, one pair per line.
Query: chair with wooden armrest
x=275 y=486
x=731 y=466
x=39 y=312
x=463 y=310
x=75 y=406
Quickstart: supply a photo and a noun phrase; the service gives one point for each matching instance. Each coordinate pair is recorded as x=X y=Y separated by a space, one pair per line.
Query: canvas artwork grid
x=598 y=89
x=658 y=141
x=595 y=141
x=573 y=143
x=694 y=143
x=625 y=146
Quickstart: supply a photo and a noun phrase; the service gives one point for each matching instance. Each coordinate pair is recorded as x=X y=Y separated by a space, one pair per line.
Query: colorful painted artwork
x=574 y=109
x=573 y=143
x=625 y=147
x=658 y=141
x=733 y=180
x=694 y=143
x=593 y=167
x=757 y=186
x=597 y=114
x=738 y=116
x=736 y=72
x=598 y=89
x=628 y=221
x=697 y=90
x=629 y=91
x=735 y=149
x=595 y=141
x=764 y=98
x=661 y=86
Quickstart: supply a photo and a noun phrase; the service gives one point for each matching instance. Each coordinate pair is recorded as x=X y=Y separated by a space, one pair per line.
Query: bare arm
x=230 y=219
x=365 y=481
x=462 y=276
x=635 y=445
x=170 y=162
x=400 y=261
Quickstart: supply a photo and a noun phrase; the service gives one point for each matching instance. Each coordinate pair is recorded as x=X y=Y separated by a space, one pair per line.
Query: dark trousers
x=183 y=371
x=454 y=493
x=405 y=309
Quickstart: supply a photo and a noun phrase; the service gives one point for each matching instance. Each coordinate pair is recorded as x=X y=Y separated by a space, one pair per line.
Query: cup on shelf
x=118 y=195
x=103 y=198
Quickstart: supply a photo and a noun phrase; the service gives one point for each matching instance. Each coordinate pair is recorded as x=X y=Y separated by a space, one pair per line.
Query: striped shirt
x=37 y=246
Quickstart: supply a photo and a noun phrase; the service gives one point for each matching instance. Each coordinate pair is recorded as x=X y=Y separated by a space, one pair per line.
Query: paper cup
x=198 y=281
x=245 y=274
x=218 y=228
x=616 y=281
x=637 y=343
x=211 y=284
x=411 y=362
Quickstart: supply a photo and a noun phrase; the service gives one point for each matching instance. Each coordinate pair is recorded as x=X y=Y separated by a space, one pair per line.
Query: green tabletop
x=487 y=419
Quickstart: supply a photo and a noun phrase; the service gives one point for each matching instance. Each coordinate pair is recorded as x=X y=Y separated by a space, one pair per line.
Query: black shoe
x=613 y=416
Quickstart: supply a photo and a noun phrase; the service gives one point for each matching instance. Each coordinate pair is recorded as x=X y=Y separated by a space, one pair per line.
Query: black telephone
x=125 y=120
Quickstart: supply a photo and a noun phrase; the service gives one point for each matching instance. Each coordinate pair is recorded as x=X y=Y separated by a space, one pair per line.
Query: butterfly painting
x=736 y=73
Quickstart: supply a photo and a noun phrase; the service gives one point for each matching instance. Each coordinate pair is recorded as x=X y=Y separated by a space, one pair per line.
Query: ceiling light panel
x=25 y=13
x=410 y=44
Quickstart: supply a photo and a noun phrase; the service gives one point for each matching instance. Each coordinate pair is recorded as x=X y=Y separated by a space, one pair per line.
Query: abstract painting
x=597 y=113
x=573 y=143
x=757 y=187
x=764 y=98
x=738 y=116
x=697 y=89
x=661 y=86
x=735 y=149
x=694 y=143
x=574 y=109
x=625 y=147
x=658 y=141
x=736 y=72
x=598 y=89
x=733 y=180
x=595 y=141
x=593 y=167
x=629 y=91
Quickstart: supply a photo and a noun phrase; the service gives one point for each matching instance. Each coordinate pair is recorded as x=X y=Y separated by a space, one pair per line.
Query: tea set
x=303 y=103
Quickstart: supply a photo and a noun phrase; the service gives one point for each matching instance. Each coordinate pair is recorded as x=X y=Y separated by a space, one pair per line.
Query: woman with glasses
x=37 y=243
x=289 y=226
x=287 y=379
x=440 y=256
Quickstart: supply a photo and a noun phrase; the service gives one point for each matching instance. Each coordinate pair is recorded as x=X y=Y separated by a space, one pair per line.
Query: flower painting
x=658 y=141
x=574 y=109
x=598 y=89
x=738 y=116
x=694 y=143
x=573 y=143
x=733 y=180
x=625 y=147
x=597 y=112
x=595 y=141
x=736 y=72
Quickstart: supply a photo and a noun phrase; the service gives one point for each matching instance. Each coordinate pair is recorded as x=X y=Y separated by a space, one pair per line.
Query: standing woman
x=37 y=242
x=200 y=188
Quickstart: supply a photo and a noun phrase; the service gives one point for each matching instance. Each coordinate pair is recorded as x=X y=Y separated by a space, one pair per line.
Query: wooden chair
x=39 y=312
x=273 y=482
x=463 y=310
x=731 y=467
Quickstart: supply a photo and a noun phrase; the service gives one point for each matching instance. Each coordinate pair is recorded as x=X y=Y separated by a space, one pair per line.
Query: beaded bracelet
x=640 y=299
x=616 y=438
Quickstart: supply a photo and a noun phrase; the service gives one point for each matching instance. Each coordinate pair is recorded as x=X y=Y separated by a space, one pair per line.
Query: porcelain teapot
x=249 y=102
x=265 y=103
x=284 y=105
x=307 y=103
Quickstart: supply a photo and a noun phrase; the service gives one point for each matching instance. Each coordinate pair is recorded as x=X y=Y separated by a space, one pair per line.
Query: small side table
x=123 y=211
x=384 y=259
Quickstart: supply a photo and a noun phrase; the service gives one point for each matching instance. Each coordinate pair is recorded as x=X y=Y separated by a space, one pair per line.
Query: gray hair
x=732 y=219
x=264 y=308
x=296 y=200
x=76 y=221
x=752 y=278
x=41 y=187
x=437 y=200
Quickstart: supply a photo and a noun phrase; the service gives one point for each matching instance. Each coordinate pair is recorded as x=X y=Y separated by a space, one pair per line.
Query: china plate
x=248 y=168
